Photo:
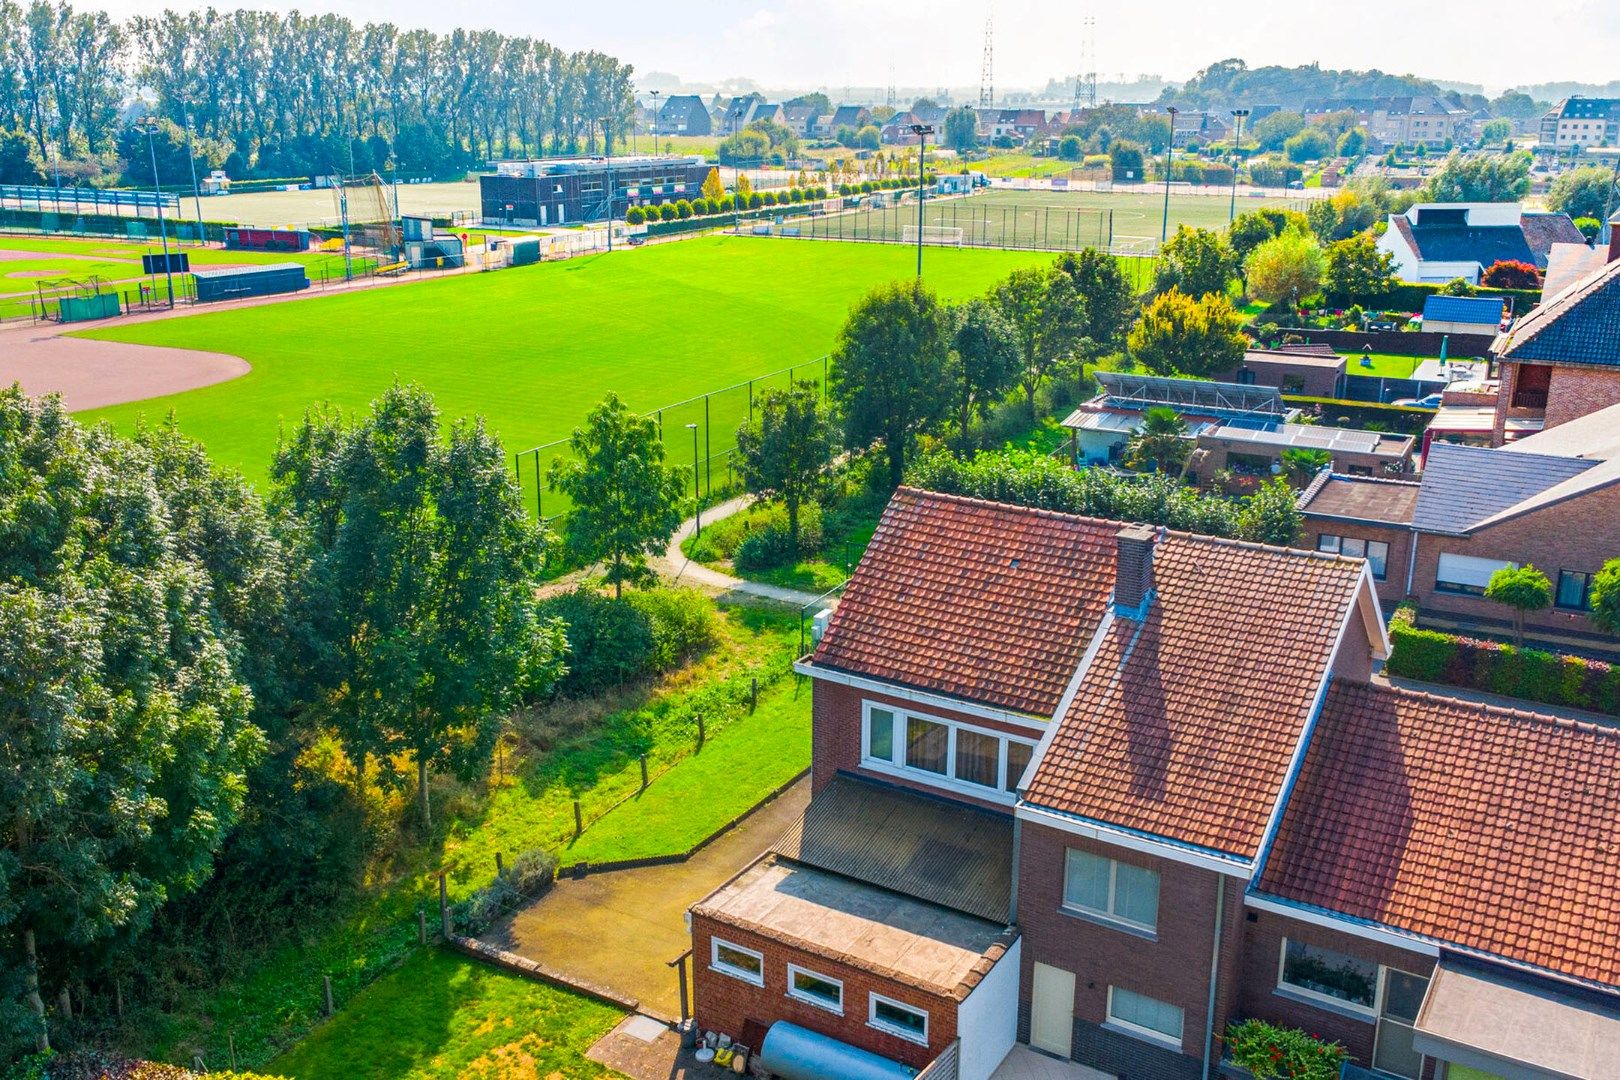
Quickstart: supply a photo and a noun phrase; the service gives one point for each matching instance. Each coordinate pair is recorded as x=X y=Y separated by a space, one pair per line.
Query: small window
x=1120 y=891
x=1326 y=974
x=880 y=734
x=1466 y=574
x=1145 y=1017
x=1328 y=542
x=897 y=1019
x=927 y=745
x=1376 y=552
x=736 y=961
x=1018 y=755
x=978 y=756
x=1574 y=590
x=818 y=990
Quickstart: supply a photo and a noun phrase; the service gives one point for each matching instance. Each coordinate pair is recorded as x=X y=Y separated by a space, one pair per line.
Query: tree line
x=272 y=95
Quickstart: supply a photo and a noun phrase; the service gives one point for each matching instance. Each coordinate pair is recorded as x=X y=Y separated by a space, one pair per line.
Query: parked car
x=1430 y=402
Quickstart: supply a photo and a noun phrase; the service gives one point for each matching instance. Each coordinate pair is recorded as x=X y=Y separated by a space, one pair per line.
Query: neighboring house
x=740 y=112
x=684 y=114
x=1418 y=119
x=1578 y=122
x=853 y=117
x=1010 y=123
x=1102 y=789
x=803 y=120
x=1365 y=518
x=768 y=112
x=1202 y=128
x=897 y=132
x=1312 y=370
x=1462 y=315
x=1439 y=242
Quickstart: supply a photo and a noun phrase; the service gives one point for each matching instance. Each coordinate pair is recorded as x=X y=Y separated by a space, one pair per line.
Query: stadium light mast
x=1237 y=148
x=654 y=94
x=196 y=191
x=922 y=131
x=1169 y=163
x=150 y=126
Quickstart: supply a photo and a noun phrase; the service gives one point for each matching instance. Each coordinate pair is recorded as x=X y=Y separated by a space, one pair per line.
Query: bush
x=770 y=198
x=1271 y=1052
x=635 y=216
x=609 y=642
x=796 y=195
x=764 y=549
x=845 y=190
x=683 y=624
x=683 y=209
x=529 y=875
x=755 y=201
x=667 y=212
x=701 y=206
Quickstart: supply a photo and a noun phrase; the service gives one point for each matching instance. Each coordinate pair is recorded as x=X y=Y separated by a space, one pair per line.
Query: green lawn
x=442 y=1016
x=1384 y=365
x=533 y=349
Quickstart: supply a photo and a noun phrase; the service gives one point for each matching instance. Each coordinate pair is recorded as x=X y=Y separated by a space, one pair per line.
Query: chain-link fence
x=699 y=436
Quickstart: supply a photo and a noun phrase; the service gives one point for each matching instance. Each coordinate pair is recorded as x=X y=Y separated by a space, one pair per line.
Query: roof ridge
x=1038 y=511
x=1256 y=545
x=1504 y=711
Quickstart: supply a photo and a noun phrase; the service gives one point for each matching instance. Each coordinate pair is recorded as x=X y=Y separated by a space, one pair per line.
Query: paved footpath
x=676 y=567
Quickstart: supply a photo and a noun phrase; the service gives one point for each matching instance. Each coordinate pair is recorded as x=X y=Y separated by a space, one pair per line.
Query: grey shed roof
x=1581 y=325
x=1463 y=486
x=945 y=852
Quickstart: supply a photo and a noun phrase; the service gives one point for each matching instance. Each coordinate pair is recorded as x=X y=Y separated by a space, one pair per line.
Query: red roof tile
x=1485 y=828
x=974 y=599
x=1185 y=723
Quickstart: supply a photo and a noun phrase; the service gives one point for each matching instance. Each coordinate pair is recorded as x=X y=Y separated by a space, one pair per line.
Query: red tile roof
x=1185 y=724
x=1484 y=828
x=974 y=599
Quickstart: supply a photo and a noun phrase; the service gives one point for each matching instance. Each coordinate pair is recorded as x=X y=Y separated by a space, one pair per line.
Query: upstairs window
x=1109 y=889
x=1314 y=972
x=943 y=753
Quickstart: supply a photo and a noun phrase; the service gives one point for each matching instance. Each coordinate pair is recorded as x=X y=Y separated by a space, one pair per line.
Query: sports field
x=276 y=209
x=1124 y=222
x=533 y=349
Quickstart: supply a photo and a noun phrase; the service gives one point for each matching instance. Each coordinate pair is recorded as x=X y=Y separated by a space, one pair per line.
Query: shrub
x=1272 y=1052
x=700 y=206
x=1511 y=274
x=1590 y=227
x=755 y=201
x=683 y=209
x=845 y=189
x=796 y=195
x=765 y=548
x=667 y=212
x=724 y=204
x=529 y=875
x=609 y=642
x=770 y=198
x=764 y=542
x=635 y=216
x=683 y=624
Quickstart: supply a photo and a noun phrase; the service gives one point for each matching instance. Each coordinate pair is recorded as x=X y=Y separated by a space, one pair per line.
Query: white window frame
x=1137 y=1031
x=810 y=999
x=1368 y=1013
x=872 y=1020
x=1473 y=565
x=1113 y=888
x=743 y=974
x=946 y=781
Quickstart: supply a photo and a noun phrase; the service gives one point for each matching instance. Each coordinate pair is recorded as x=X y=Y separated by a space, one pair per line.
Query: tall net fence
x=971 y=222
x=699 y=436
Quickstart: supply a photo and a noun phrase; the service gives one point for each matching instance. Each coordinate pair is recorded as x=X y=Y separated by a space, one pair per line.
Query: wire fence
x=699 y=436
x=968 y=222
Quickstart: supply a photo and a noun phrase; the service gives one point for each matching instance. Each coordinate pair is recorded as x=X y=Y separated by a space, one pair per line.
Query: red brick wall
x=1172 y=967
x=835 y=740
x=1578 y=390
x=1263 y=935
x=725 y=1004
x=1578 y=534
x=1392 y=590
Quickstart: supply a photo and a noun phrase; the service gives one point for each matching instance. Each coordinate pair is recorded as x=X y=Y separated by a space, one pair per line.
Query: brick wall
x=1392 y=590
x=1263 y=934
x=1577 y=391
x=835 y=740
x=1578 y=534
x=1172 y=966
x=726 y=1004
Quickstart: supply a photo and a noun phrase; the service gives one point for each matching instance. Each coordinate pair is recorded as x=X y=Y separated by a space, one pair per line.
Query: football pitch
x=532 y=349
x=1127 y=223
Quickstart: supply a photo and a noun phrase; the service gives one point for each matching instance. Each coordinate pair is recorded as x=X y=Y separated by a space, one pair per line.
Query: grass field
x=443 y=1017
x=1125 y=222
x=1384 y=365
x=533 y=349
x=269 y=209
x=1021 y=164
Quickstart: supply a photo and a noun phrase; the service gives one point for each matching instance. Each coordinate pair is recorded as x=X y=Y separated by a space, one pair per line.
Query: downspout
x=1214 y=976
x=1012 y=905
x=1411 y=562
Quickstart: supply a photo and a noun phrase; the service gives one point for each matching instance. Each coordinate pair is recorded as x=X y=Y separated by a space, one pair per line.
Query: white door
x=1051 y=1010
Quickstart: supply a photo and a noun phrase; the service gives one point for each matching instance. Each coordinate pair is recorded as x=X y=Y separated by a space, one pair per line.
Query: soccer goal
x=933 y=234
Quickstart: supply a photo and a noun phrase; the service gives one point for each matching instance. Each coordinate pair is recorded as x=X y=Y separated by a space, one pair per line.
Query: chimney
x=1133 y=573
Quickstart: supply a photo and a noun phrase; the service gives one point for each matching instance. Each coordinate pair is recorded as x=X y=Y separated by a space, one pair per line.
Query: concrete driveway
x=620 y=929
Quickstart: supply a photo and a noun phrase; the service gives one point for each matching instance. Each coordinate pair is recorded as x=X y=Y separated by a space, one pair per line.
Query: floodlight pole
x=697 y=493
x=922 y=131
x=607 y=148
x=151 y=125
x=196 y=191
x=655 y=94
x=1169 y=163
x=1237 y=148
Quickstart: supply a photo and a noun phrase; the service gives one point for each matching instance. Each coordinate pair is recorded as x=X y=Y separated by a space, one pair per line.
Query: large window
x=944 y=753
x=898 y=1019
x=818 y=990
x=1145 y=1017
x=1466 y=574
x=736 y=961
x=1326 y=975
x=1574 y=591
x=1109 y=889
x=1376 y=552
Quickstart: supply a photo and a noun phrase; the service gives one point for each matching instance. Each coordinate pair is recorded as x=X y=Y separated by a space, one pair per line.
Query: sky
x=836 y=43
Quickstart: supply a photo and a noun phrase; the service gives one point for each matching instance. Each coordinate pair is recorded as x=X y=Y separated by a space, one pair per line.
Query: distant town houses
x=1411 y=120
x=684 y=114
x=1440 y=242
x=1578 y=122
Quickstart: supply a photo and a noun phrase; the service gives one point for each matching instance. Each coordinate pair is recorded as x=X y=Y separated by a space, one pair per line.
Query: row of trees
x=294 y=94
x=172 y=645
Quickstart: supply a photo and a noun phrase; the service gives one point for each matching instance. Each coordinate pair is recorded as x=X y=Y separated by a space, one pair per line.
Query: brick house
x=1562 y=360
x=1366 y=518
x=1102 y=789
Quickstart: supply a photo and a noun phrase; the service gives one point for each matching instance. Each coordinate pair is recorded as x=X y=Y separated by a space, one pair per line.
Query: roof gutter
x=1203 y=858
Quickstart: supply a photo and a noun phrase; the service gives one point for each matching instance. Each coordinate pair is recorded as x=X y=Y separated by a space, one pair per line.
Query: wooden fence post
x=579 y=821
x=326 y=990
x=421 y=926
x=643 y=772
x=230 y=1041
x=700 y=730
x=500 y=866
x=444 y=908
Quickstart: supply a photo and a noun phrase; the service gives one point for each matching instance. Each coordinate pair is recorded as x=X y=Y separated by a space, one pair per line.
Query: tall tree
x=787 y=447
x=1110 y=301
x=984 y=360
x=1176 y=334
x=961 y=129
x=424 y=563
x=1196 y=261
x=627 y=502
x=1286 y=269
x=1356 y=271
x=888 y=369
x=1048 y=315
x=1482 y=178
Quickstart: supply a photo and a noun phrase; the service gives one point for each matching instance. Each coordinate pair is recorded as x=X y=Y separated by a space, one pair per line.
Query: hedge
x=1496 y=668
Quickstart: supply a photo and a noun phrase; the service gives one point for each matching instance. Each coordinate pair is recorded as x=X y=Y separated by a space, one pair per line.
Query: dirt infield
x=21 y=255
x=91 y=374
